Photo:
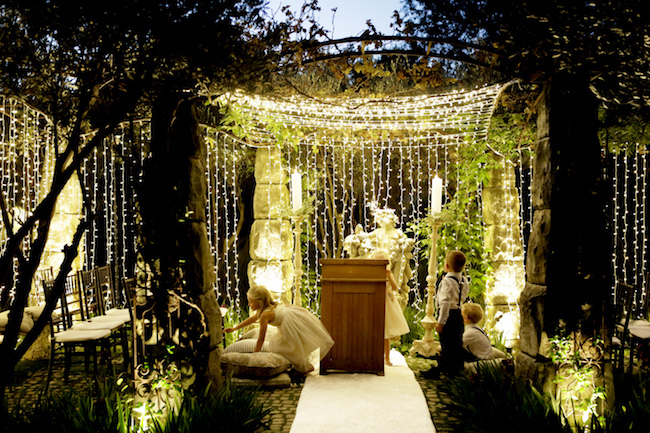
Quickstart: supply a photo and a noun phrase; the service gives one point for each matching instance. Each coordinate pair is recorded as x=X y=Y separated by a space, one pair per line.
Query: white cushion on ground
x=496 y=353
x=258 y=364
x=245 y=346
x=72 y=336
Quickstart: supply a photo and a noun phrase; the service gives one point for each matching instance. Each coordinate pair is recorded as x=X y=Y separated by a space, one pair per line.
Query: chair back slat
x=90 y=293
x=105 y=286
x=57 y=317
x=72 y=301
x=624 y=305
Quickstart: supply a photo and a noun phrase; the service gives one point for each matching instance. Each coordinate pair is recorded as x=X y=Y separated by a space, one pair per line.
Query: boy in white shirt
x=475 y=341
x=451 y=294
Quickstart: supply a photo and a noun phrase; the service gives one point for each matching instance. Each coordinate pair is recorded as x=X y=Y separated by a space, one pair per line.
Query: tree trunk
x=174 y=235
x=579 y=271
x=568 y=269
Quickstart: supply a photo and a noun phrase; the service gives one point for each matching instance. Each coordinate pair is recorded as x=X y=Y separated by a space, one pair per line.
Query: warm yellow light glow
x=449 y=118
x=271 y=276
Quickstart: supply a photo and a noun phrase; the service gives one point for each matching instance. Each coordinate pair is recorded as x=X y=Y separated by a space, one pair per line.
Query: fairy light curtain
x=26 y=158
x=405 y=148
x=357 y=153
x=629 y=170
x=109 y=177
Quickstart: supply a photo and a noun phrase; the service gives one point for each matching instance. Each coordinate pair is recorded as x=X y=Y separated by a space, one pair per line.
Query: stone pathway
x=30 y=378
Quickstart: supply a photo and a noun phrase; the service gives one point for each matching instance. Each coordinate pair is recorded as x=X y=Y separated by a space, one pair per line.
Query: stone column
x=503 y=240
x=568 y=264
x=271 y=239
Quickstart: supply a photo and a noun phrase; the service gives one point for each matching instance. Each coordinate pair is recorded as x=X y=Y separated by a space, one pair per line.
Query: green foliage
x=511 y=133
x=231 y=319
x=229 y=409
x=109 y=407
x=577 y=379
x=235 y=121
x=416 y=331
x=311 y=291
x=498 y=340
x=462 y=220
x=632 y=410
x=106 y=409
x=495 y=400
x=623 y=130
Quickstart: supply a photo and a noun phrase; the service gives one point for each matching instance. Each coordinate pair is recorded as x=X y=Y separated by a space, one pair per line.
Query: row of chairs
x=93 y=312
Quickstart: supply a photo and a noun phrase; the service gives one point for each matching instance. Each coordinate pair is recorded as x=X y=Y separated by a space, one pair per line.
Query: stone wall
x=503 y=240
x=271 y=238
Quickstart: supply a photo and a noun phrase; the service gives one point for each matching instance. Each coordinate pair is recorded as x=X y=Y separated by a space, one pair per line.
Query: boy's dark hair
x=456 y=260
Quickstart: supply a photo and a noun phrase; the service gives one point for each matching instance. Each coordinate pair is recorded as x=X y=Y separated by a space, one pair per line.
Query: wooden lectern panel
x=353 y=297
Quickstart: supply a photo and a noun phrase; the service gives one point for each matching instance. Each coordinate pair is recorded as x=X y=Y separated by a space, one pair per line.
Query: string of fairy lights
x=629 y=174
x=25 y=162
x=418 y=143
x=391 y=143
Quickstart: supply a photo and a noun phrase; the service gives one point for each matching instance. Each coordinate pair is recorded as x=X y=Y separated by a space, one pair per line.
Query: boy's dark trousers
x=451 y=341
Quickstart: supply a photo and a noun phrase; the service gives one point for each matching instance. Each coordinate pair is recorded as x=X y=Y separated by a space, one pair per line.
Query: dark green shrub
x=108 y=410
x=632 y=406
x=229 y=409
x=493 y=400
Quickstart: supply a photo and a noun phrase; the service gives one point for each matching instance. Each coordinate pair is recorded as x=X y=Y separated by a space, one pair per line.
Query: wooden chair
x=40 y=277
x=70 y=341
x=96 y=309
x=106 y=286
x=89 y=292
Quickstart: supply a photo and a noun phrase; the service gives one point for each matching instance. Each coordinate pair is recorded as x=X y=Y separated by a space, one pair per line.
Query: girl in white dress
x=395 y=324
x=300 y=332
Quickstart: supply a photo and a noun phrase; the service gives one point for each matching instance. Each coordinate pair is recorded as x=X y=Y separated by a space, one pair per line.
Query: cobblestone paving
x=283 y=403
x=30 y=379
x=437 y=399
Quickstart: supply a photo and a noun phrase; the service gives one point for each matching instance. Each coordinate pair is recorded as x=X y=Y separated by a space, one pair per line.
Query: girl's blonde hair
x=262 y=295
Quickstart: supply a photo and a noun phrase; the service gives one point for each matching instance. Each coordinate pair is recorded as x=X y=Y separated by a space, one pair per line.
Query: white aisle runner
x=360 y=403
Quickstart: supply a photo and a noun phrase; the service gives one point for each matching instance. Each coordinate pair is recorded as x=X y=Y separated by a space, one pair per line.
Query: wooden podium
x=353 y=299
